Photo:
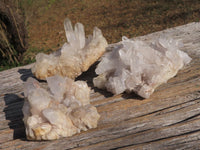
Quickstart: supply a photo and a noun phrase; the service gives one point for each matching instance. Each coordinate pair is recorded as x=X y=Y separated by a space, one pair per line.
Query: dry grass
x=8 y=57
x=114 y=17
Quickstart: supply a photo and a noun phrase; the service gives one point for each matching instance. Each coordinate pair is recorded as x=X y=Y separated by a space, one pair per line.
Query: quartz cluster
x=140 y=66
x=74 y=57
x=61 y=110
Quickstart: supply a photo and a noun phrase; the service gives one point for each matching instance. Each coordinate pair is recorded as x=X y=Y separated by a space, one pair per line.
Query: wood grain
x=169 y=119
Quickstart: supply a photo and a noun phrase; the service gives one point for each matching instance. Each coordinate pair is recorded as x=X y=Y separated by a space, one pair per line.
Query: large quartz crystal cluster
x=139 y=66
x=59 y=111
x=74 y=57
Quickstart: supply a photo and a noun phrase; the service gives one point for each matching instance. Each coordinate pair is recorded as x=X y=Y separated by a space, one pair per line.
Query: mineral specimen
x=139 y=66
x=74 y=57
x=60 y=111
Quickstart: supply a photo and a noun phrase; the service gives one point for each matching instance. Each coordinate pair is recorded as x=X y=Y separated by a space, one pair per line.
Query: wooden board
x=169 y=119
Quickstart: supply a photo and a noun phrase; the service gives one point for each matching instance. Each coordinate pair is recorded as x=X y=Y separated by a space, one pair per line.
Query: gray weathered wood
x=169 y=119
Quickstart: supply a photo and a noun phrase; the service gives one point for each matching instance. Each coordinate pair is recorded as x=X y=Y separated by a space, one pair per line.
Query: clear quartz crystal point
x=75 y=56
x=62 y=110
x=139 y=66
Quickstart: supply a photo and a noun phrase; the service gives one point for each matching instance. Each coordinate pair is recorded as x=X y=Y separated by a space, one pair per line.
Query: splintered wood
x=169 y=119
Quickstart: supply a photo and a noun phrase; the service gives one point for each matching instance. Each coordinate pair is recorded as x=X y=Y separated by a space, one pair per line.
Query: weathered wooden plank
x=169 y=119
x=186 y=141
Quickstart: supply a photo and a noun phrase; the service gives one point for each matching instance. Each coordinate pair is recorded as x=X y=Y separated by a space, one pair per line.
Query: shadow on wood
x=25 y=74
x=132 y=96
x=13 y=113
x=88 y=77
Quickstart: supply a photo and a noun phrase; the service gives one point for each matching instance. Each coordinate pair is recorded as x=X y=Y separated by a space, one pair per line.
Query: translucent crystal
x=74 y=57
x=60 y=111
x=139 y=66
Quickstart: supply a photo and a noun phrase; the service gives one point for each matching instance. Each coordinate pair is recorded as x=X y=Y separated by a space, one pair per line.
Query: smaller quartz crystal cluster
x=59 y=111
x=139 y=66
x=74 y=57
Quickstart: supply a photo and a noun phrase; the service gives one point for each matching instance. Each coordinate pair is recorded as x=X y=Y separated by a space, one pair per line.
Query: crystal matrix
x=60 y=111
x=74 y=57
x=139 y=66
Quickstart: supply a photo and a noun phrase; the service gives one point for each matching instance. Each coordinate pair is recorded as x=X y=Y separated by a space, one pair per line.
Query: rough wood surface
x=169 y=119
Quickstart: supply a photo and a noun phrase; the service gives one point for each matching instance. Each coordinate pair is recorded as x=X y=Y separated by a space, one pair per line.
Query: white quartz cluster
x=139 y=66
x=60 y=111
x=74 y=57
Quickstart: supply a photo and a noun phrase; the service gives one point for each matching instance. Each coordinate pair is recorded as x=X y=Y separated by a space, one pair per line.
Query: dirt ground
x=116 y=18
